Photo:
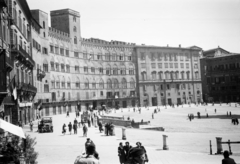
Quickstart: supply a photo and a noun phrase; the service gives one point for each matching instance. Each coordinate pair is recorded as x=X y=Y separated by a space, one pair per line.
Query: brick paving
x=188 y=141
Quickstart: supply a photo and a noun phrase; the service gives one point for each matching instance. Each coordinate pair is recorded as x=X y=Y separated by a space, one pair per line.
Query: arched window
x=154 y=76
x=53 y=82
x=58 y=83
x=115 y=70
x=182 y=75
x=75 y=29
x=131 y=69
x=124 y=83
x=77 y=83
x=177 y=75
x=123 y=70
x=108 y=70
x=75 y=40
x=132 y=83
x=115 y=84
x=86 y=83
x=196 y=75
x=160 y=74
x=69 y=83
x=101 y=84
x=63 y=82
x=94 y=84
x=109 y=84
x=45 y=66
x=144 y=75
x=188 y=75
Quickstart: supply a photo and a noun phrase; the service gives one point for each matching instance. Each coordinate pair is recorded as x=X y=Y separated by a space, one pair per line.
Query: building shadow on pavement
x=219 y=116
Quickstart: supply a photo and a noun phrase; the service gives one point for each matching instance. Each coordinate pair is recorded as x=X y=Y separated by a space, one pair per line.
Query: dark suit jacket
x=228 y=161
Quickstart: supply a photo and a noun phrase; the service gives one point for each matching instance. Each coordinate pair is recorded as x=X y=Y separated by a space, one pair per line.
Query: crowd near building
x=51 y=69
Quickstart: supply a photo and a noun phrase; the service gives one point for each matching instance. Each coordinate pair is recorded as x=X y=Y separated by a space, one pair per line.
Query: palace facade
x=220 y=76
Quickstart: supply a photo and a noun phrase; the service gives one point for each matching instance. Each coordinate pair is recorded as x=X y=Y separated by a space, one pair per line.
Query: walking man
x=70 y=128
x=85 y=129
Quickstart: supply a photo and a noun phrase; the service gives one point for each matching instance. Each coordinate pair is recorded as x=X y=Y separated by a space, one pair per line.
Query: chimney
x=179 y=45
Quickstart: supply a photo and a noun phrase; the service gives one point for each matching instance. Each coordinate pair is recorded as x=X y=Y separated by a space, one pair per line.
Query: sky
x=204 y=23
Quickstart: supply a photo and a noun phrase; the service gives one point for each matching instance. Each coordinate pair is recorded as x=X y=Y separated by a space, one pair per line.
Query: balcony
x=20 y=54
x=9 y=65
x=40 y=73
x=26 y=87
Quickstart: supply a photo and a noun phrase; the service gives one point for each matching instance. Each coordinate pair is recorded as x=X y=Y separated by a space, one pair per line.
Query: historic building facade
x=220 y=76
x=21 y=78
x=168 y=75
x=75 y=73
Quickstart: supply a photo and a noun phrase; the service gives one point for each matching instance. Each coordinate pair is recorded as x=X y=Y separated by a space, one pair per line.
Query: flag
x=14 y=89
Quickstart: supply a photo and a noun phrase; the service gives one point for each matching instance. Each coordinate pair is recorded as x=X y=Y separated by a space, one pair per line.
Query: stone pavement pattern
x=188 y=141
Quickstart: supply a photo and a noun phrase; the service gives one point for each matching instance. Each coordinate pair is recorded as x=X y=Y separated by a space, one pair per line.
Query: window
x=124 y=83
x=85 y=69
x=51 y=49
x=44 y=50
x=77 y=69
x=67 y=53
x=109 y=84
x=115 y=70
x=100 y=70
x=129 y=58
x=99 y=57
x=62 y=68
x=176 y=65
x=170 y=57
x=61 y=51
x=45 y=67
x=171 y=65
x=63 y=84
x=56 y=50
x=143 y=56
x=68 y=68
x=153 y=65
x=43 y=24
x=84 y=55
x=187 y=65
x=92 y=69
x=159 y=65
x=94 y=85
x=114 y=56
x=196 y=66
x=101 y=93
x=166 y=57
x=53 y=84
x=121 y=57
x=108 y=71
x=131 y=71
x=101 y=84
x=182 y=65
x=132 y=83
x=152 y=56
x=159 y=56
x=75 y=40
x=154 y=75
x=86 y=84
x=74 y=19
x=196 y=75
x=68 y=84
x=75 y=29
x=57 y=67
x=166 y=65
x=57 y=84
x=181 y=56
x=52 y=66
x=175 y=57
x=76 y=54
x=107 y=56
x=143 y=65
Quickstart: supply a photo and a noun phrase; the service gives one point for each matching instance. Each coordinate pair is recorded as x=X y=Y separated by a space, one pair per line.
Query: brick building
x=220 y=76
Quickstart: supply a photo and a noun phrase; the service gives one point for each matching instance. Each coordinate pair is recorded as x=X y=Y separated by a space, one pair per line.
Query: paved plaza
x=188 y=141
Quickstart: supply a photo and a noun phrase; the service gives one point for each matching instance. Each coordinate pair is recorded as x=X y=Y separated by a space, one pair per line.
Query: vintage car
x=45 y=125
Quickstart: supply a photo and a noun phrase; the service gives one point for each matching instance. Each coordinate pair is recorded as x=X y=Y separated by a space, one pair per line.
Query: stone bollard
x=210 y=147
x=124 y=134
x=219 y=145
x=165 y=146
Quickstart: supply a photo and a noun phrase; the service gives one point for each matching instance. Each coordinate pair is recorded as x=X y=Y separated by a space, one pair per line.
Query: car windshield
x=47 y=120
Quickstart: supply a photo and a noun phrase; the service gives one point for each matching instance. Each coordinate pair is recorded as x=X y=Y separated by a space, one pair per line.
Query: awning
x=8 y=101
x=18 y=131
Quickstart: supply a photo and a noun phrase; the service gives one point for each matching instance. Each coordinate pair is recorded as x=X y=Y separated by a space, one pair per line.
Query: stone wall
x=116 y=122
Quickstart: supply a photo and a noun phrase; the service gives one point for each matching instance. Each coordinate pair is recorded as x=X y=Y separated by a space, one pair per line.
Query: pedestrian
x=215 y=110
x=107 y=127
x=70 y=128
x=226 y=159
x=127 y=147
x=31 y=126
x=227 y=113
x=89 y=157
x=64 y=129
x=121 y=153
x=76 y=114
x=75 y=128
x=89 y=123
x=100 y=126
x=134 y=109
x=136 y=156
x=67 y=114
x=85 y=129
x=139 y=145
x=153 y=116
x=236 y=120
x=230 y=113
x=207 y=115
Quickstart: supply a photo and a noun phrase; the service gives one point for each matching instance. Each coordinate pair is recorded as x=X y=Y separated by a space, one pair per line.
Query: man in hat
x=226 y=159
x=89 y=157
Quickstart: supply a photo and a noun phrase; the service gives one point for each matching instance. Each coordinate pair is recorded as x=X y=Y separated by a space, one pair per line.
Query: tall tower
x=68 y=21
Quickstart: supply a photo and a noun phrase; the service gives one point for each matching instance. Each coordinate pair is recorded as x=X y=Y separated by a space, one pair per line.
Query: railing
x=24 y=54
x=170 y=80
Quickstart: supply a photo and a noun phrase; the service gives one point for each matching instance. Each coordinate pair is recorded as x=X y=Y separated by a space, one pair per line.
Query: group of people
x=132 y=155
x=109 y=128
